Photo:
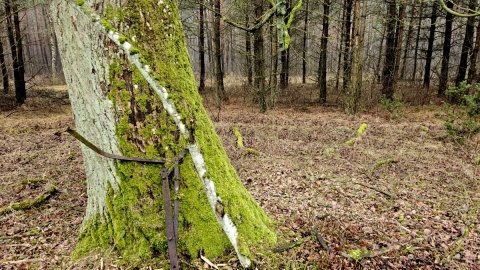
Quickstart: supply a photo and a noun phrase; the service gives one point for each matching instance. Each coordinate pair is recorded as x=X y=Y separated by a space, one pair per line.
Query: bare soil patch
x=402 y=196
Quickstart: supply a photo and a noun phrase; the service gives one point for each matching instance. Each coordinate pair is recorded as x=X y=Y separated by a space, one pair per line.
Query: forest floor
x=400 y=196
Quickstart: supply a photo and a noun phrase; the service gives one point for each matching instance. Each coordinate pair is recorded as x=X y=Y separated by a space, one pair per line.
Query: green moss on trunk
x=134 y=221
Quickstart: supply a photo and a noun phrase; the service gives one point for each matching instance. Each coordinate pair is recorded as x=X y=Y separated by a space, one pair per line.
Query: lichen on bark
x=128 y=213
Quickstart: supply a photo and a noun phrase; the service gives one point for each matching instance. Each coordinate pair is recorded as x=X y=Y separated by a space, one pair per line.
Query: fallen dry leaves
x=307 y=178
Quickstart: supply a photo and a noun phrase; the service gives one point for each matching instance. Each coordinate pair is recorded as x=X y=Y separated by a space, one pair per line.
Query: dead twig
x=321 y=241
x=374 y=188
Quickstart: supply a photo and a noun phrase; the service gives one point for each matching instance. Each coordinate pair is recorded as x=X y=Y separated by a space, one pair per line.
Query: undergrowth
x=462 y=119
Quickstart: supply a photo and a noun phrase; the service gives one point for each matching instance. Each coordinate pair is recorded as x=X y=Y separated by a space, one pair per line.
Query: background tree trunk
x=467 y=45
x=248 y=50
x=217 y=51
x=15 y=39
x=399 y=35
x=390 y=53
x=3 y=69
x=201 y=44
x=272 y=82
x=347 y=54
x=259 y=59
x=417 y=41
x=304 y=49
x=149 y=108
x=322 y=63
x=407 y=43
x=447 y=44
x=355 y=86
x=431 y=39
x=472 y=70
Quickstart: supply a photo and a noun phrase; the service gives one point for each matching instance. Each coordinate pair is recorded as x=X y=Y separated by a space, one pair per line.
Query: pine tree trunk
x=201 y=44
x=259 y=59
x=322 y=63
x=431 y=40
x=390 y=53
x=134 y=94
x=417 y=42
x=407 y=44
x=15 y=39
x=466 y=46
x=340 y=50
x=378 y=73
x=304 y=50
x=217 y=51
x=347 y=54
x=472 y=70
x=272 y=82
x=399 y=35
x=248 y=51
x=283 y=70
x=447 y=45
x=3 y=69
x=355 y=83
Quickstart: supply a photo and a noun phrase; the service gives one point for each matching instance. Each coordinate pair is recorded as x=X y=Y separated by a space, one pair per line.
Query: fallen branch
x=321 y=241
x=242 y=147
x=287 y=246
x=24 y=261
x=384 y=162
x=374 y=188
x=358 y=254
x=27 y=204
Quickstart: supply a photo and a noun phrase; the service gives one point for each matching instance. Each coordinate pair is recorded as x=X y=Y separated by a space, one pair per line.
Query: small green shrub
x=394 y=107
x=463 y=118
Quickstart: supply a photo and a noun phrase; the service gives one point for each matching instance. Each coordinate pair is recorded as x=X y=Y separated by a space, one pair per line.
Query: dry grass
x=307 y=178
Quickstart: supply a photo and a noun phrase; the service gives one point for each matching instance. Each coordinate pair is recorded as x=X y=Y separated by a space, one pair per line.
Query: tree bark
x=390 y=53
x=399 y=35
x=248 y=50
x=217 y=51
x=284 y=69
x=466 y=46
x=472 y=70
x=355 y=84
x=3 y=69
x=407 y=44
x=322 y=63
x=15 y=39
x=259 y=59
x=272 y=82
x=134 y=94
x=304 y=50
x=201 y=44
x=447 y=45
x=347 y=54
x=378 y=73
x=53 y=46
x=431 y=40
x=417 y=41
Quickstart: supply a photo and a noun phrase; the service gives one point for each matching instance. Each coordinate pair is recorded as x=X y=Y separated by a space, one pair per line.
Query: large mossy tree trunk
x=133 y=93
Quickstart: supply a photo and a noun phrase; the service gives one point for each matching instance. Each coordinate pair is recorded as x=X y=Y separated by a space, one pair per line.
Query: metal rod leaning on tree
x=171 y=220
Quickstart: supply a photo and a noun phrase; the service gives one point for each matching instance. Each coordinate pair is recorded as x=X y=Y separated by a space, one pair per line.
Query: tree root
x=245 y=150
x=27 y=204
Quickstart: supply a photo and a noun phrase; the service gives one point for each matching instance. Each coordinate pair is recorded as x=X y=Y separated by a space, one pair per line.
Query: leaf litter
x=421 y=211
